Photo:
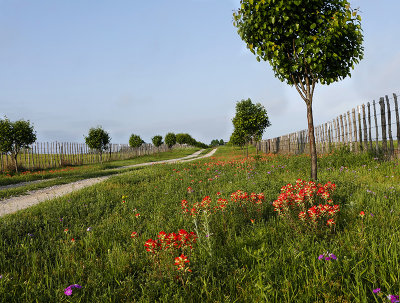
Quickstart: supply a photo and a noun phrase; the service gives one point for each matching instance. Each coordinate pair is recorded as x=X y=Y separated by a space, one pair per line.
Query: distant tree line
x=217 y=142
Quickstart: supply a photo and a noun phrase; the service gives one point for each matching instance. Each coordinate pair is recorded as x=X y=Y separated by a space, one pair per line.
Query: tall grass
x=242 y=254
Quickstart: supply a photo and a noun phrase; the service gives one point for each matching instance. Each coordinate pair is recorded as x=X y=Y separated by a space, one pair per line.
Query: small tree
x=221 y=142
x=135 y=141
x=170 y=139
x=237 y=139
x=98 y=139
x=249 y=122
x=185 y=139
x=157 y=141
x=214 y=143
x=14 y=136
x=305 y=42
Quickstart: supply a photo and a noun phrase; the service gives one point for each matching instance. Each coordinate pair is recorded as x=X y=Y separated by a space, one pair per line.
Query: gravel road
x=14 y=204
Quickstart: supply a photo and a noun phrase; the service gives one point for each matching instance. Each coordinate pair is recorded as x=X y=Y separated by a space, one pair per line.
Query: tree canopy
x=98 y=139
x=170 y=139
x=249 y=122
x=14 y=136
x=305 y=42
x=157 y=140
x=135 y=141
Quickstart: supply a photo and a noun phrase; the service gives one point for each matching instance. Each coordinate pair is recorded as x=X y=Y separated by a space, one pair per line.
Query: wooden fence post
x=359 y=128
x=383 y=124
x=353 y=113
x=369 y=126
x=365 y=128
x=350 y=131
x=397 y=121
x=391 y=149
x=376 y=128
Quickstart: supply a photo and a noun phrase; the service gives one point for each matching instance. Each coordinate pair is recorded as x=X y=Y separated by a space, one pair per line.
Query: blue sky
x=151 y=67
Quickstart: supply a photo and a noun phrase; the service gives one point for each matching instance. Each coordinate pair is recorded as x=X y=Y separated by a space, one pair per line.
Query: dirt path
x=14 y=204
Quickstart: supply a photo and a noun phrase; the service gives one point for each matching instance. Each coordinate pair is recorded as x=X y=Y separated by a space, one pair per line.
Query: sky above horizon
x=152 y=67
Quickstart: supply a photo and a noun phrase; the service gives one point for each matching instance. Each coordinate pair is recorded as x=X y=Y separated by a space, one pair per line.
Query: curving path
x=14 y=204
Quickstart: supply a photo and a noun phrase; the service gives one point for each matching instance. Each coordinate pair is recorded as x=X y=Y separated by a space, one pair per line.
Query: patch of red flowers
x=309 y=202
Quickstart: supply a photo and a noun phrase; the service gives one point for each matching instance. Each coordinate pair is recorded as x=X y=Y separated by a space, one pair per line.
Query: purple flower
x=327 y=256
x=393 y=298
x=376 y=290
x=89 y=229
x=68 y=290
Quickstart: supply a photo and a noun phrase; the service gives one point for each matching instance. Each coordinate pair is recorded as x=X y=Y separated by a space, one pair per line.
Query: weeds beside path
x=14 y=204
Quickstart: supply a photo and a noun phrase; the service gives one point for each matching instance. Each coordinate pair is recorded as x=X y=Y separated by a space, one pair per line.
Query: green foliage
x=98 y=139
x=249 y=122
x=237 y=138
x=317 y=41
x=14 y=136
x=157 y=140
x=305 y=43
x=185 y=139
x=170 y=139
x=217 y=142
x=135 y=141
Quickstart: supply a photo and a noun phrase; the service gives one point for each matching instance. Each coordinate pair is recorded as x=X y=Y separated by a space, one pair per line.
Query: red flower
x=180 y=262
x=330 y=222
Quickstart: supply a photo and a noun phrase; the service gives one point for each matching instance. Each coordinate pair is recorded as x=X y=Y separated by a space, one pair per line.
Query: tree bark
x=311 y=136
x=15 y=155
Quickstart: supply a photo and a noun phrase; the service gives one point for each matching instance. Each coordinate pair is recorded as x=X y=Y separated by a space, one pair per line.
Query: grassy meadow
x=68 y=174
x=175 y=233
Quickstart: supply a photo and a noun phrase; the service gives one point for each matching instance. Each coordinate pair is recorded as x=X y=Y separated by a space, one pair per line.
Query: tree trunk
x=313 y=150
x=15 y=162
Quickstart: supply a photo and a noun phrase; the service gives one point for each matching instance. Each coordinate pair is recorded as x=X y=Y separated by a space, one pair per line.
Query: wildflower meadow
x=220 y=229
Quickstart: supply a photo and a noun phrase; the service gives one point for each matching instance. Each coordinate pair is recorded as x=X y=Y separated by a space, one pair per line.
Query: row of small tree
x=99 y=140
x=20 y=134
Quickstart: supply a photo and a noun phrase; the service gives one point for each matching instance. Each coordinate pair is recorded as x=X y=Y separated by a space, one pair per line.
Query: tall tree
x=14 y=136
x=305 y=42
x=249 y=122
x=98 y=139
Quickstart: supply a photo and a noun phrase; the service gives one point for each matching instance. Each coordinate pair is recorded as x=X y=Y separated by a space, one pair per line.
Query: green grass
x=233 y=260
x=70 y=174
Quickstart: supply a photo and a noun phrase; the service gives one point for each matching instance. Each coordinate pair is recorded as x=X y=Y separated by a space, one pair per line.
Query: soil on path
x=14 y=204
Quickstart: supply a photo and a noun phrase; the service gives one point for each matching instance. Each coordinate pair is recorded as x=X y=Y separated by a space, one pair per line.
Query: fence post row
x=352 y=129
x=42 y=155
x=397 y=121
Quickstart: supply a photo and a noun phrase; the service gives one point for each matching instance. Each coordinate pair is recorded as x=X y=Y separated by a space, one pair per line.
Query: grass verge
x=244 y=253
